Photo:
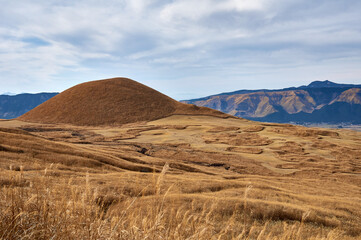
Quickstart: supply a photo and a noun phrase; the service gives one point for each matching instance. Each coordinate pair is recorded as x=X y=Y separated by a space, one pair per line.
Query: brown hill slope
x=352 y=96
x=110 y=102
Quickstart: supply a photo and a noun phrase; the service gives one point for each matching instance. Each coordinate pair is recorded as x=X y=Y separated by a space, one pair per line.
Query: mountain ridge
x=12 y=106
x=275 y=105
x=295 y=104
x=314 y=84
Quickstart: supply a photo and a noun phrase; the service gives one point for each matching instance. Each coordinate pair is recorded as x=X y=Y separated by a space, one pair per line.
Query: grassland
x=180 y=177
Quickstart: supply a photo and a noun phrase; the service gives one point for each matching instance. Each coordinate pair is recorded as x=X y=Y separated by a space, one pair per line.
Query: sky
x=183 y=48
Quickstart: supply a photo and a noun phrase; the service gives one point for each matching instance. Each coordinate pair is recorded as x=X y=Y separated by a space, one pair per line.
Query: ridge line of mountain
x=318 y=102
x=314 y=84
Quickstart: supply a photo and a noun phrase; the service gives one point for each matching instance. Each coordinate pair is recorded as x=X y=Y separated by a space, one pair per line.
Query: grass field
x=180 y=177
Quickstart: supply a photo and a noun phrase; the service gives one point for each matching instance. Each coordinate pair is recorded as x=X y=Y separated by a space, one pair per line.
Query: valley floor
x=354 y=127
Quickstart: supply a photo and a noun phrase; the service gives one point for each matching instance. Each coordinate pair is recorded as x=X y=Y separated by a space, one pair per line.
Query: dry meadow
x=179 y=177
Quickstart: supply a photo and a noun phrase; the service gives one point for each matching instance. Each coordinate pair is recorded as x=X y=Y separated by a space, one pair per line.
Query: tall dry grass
x=41 y=208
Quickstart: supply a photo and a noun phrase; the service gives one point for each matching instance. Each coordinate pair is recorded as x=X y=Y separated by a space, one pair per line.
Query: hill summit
x=110 y=102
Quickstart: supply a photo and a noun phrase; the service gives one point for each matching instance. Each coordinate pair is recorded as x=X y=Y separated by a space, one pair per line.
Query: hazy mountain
x=17 y=105
x=320 y=101
x=8 y=93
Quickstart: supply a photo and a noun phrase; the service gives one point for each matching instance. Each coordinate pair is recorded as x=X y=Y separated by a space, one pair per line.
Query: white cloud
x=54 y=41
x=189 y=9
x=245 y=5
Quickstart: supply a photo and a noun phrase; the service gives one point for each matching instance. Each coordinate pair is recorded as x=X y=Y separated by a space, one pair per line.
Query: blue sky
x=183 y=48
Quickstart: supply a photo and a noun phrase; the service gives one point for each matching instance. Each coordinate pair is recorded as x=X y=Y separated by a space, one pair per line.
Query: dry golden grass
x=162 y=180
x=42 y=208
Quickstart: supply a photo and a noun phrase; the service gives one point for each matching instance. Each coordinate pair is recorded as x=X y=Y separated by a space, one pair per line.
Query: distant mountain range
x=318 y=102
x=13 y=106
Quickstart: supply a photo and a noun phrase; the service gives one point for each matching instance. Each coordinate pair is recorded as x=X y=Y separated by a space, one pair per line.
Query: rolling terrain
x=305 y=104
x=181 y=172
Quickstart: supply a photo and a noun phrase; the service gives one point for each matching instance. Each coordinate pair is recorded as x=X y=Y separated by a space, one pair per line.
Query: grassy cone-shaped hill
x=110 y=102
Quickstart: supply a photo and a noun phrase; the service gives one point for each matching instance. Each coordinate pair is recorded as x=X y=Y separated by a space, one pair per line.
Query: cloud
x=187 y=9
x=214 y=44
